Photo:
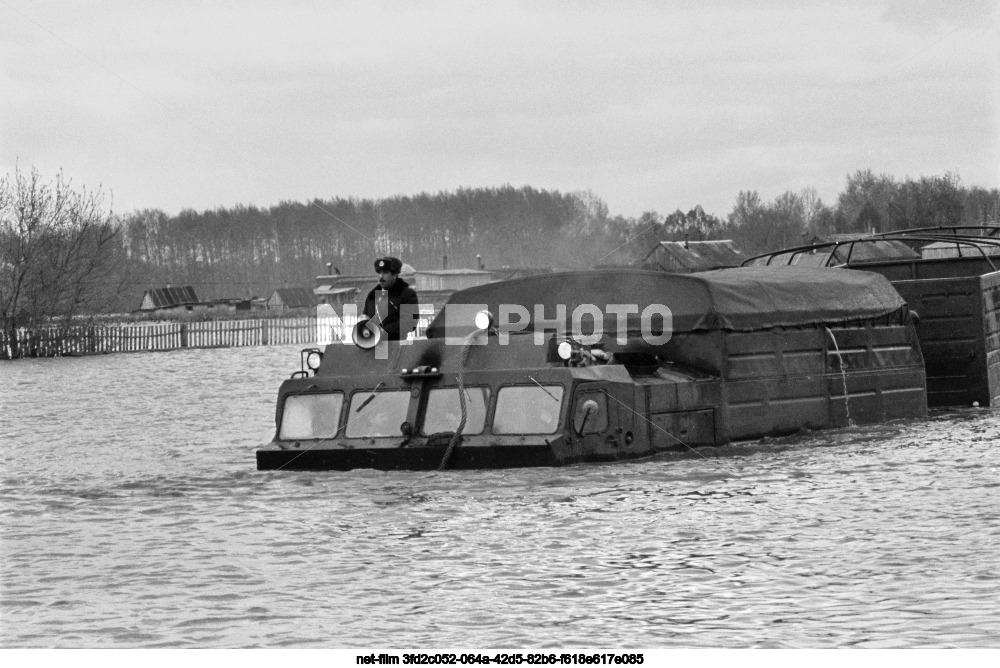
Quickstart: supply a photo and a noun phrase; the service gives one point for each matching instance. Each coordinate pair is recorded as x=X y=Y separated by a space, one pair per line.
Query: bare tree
x=59 y=251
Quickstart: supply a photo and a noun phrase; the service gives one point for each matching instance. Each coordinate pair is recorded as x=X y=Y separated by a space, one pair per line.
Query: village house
x=433 y=286
x=167 y=300
x=686 y=257
x=291 y=298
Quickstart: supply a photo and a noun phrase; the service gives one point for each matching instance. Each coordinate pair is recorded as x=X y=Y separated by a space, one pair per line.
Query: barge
x=606 y=365
x=949 y=277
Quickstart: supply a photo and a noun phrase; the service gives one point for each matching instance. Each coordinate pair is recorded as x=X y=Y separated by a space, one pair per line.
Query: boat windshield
x=381 y=416
x=528 y=409
x=444 y=411
x=311 y=416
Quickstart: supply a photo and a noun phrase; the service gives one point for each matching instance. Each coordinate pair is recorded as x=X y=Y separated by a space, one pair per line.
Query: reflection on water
x=132 y=516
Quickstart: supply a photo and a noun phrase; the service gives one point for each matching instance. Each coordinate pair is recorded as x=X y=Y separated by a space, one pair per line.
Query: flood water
x=133 y=516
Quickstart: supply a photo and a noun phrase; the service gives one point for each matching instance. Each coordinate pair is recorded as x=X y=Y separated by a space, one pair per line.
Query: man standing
x=385 y=301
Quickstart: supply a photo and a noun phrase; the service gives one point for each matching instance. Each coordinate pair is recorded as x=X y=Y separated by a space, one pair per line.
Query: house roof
x=297 y=297
x=510 y=273
x=329 y=291
x=407 y=270
x=452 y=272
x=868 y=249
x=696 y=255
x=341 y=278
x=168 y=296
x=875 y=251
x=360 y=283
x=967 y=248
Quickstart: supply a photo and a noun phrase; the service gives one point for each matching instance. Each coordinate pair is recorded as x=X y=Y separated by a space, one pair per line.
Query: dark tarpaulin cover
x=739 y=299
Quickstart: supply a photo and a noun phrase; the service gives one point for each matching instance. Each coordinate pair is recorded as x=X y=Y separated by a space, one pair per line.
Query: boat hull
x=407 y=459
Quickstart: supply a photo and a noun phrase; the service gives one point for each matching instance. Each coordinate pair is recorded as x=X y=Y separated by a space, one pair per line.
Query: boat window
x=528 y=409
x=597 y=420
x=379 y=417
x=444 y=411
x=311 y=416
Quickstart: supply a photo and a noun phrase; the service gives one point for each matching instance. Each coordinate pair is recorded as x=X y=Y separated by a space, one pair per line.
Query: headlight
x=565 y=350
x=484 y=320
x=313 y=359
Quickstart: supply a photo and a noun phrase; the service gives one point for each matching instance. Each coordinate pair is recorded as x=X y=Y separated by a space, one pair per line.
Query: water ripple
x=132 y=516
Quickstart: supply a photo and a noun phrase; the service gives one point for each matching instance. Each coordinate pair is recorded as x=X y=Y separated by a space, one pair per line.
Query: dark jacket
x=400 y=293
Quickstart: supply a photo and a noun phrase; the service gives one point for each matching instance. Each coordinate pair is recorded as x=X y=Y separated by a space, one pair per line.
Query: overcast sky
x=649 y=105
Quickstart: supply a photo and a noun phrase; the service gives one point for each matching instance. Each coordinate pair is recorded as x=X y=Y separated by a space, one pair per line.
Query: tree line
x=292 y=242
x=868 y=203
x=63 y=254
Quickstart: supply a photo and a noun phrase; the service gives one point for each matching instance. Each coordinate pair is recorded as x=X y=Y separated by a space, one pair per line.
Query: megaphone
x=367 y=334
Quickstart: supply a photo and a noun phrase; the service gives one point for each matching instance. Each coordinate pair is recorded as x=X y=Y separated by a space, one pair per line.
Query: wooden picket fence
x=93 y=339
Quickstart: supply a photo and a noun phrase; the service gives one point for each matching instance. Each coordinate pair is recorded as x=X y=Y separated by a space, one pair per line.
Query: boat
x=606 y=365
x=949 y=277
